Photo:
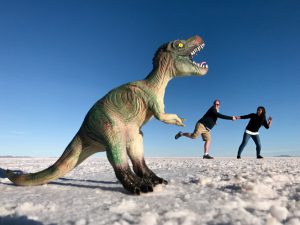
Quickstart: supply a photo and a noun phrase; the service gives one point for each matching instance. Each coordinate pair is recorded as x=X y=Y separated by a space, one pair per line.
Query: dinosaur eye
x=180 y=45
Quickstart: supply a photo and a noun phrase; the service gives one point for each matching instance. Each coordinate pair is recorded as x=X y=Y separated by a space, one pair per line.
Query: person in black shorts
x=256 y=121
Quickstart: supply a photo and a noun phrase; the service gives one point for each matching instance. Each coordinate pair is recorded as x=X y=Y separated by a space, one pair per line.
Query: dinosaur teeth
x=194 y=52
x=203 y=65
x=200 y=47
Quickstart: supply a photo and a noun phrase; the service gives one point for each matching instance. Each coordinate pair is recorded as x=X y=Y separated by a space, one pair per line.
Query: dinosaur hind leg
x=117 y=156
x=67 y=161
x=135 y=152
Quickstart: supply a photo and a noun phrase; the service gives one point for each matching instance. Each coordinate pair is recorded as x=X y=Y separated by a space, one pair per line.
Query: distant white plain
x=214 y=192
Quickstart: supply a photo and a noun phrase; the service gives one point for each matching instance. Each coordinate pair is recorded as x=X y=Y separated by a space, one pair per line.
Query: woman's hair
x=263 y=115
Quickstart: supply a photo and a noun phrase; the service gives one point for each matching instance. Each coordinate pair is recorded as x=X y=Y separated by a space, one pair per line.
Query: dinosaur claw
x=162 y=181
x=144 y=189
x=137 y=191
x=137 y=184
x=133 y=183
x=150 y=188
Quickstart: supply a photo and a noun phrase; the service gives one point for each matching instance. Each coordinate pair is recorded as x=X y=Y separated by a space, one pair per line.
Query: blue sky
x=57 y=58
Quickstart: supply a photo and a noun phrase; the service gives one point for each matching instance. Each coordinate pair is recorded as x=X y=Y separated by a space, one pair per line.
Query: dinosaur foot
x=154 y=179
x=133 y=183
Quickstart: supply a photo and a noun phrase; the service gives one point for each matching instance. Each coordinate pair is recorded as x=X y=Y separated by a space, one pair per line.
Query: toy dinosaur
x=114 y=123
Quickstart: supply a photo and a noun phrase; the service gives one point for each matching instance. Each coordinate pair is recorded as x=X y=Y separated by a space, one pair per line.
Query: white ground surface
x=221 y=191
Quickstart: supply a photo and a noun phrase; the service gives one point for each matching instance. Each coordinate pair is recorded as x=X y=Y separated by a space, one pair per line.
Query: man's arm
x=219 y=115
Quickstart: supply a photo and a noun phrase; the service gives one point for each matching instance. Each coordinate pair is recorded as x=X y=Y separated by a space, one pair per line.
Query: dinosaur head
x=176 y=57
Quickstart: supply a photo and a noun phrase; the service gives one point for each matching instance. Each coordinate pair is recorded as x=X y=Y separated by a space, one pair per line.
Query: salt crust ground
x=221 y=191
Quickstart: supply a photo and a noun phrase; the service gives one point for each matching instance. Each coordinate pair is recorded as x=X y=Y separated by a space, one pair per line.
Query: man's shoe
x=238 y=157
x=259 y=157
x=178 y=135
x=207 y=157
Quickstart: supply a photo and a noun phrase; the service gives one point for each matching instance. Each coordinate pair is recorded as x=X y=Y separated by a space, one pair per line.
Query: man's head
x=217 y=104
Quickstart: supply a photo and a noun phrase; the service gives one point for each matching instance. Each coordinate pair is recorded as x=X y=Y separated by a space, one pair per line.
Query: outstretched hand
x=270 y=121
x=235 y=118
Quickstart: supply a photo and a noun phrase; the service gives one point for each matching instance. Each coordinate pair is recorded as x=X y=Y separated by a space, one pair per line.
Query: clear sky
x=58 y=57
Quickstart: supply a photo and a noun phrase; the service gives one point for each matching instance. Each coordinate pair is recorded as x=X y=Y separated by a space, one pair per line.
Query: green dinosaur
x=114 y=123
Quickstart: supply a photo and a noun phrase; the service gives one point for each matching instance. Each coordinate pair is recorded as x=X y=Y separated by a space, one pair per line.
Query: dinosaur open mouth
x=194 y=53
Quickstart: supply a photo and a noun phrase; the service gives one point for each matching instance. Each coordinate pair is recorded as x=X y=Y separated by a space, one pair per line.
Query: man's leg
x=189 y=135
x=193 y=135
x=207 y=141
x=206 y=146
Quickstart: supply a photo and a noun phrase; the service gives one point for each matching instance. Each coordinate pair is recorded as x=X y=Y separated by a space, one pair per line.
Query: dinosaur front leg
x=117 y=156
x=170 y=119
x=135 y=151
x=157 y=108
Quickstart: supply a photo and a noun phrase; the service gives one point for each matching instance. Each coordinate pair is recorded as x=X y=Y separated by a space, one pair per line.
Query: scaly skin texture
x=114 y=123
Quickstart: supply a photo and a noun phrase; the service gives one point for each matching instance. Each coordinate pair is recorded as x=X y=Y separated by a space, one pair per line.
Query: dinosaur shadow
x=104 y=188
x=91 y=181
x=234 y=188
x=218 y=223
x=70 y=184
x=115 y=189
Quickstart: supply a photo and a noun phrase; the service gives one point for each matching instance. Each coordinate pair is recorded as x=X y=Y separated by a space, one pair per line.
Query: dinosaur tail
x=68 y=160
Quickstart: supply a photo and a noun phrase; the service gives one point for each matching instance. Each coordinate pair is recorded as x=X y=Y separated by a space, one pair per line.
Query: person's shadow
x=18 y=220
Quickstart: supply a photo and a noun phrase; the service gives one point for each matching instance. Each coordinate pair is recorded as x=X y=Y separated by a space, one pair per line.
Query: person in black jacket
x=204 y=125
x=256 y=121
